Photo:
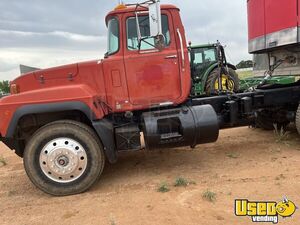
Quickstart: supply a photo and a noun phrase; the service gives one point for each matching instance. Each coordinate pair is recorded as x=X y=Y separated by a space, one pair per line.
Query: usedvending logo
x=265 y=211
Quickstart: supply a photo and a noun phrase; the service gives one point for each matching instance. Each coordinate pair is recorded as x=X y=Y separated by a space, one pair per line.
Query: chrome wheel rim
x=63 y=160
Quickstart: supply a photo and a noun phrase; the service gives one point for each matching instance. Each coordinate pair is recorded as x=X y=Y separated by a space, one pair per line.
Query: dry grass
x=232 y=155
x=281 y=135
x=2 y=161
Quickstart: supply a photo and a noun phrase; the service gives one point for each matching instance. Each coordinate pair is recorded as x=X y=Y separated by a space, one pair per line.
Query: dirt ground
x=244 y=163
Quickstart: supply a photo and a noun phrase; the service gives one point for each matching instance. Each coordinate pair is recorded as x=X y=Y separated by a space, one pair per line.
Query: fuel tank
x=185 y=126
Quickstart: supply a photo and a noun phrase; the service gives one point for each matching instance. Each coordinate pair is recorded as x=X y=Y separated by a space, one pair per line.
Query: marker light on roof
x=121 y=6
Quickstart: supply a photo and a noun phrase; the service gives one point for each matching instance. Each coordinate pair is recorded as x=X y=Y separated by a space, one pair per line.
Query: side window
x=113 y=36
x=198 y=58
x=210 y=55
x=147 y=42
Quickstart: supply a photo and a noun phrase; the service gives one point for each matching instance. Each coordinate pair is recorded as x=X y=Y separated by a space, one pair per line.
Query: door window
x=147 y=42
x=113 y=36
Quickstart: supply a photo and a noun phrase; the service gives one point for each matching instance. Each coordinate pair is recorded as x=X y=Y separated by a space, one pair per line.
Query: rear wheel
x=64 y=158
x=229 y=82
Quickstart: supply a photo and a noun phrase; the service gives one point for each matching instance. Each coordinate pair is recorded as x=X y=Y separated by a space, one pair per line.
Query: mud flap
x=105 y=130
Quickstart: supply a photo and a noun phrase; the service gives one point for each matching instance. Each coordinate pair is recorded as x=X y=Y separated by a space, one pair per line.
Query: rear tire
x=64 y=158
x=213 y=76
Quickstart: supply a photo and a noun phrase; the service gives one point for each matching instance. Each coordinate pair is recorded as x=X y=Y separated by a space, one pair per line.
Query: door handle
x=182 y=50
x=171 y=57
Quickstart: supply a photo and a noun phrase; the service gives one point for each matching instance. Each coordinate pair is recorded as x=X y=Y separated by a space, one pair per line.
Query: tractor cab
x=210 y=72
x=201 y=58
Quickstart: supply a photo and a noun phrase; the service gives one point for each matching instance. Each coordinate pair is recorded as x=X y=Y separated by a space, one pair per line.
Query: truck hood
x=56 y=76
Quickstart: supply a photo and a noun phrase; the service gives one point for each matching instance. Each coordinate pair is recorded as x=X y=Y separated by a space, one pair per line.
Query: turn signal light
x=14 y=89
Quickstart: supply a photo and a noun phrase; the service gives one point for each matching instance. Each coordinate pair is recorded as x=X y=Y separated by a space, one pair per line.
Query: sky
x=44 y=34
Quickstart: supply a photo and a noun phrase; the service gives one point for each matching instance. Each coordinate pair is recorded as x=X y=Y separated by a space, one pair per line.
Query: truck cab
x=138 y=74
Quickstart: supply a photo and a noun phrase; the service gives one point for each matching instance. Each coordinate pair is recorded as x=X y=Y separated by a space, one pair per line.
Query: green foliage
x=4 y=86
x=209 y=196
x=245 y=64
x=163 y=188
x=181 y=182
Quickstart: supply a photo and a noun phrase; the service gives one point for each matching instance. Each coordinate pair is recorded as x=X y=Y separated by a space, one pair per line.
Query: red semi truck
x=67 y=121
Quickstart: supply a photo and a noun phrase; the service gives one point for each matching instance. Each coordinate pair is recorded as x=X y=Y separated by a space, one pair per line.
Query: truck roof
x=203 y=46
x=131 y=8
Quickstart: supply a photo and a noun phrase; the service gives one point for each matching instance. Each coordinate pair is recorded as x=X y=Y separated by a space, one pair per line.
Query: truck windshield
x=113 y=36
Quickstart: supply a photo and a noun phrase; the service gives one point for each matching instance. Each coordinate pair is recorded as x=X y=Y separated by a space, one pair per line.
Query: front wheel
x=64 y=158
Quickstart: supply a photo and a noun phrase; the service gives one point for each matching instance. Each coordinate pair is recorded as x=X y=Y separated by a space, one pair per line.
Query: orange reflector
x=121 y=6
x=14 y=89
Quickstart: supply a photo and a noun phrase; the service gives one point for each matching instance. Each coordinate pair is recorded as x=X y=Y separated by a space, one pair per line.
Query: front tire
x=64 y=158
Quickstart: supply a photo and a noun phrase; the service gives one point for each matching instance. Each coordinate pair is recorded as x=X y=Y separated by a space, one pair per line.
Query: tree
x=4 y=86
x=245 y=64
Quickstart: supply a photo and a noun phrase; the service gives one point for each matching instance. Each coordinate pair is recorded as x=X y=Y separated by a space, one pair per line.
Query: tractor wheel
x=265 y=121
x=229 y=82
x=64 y=158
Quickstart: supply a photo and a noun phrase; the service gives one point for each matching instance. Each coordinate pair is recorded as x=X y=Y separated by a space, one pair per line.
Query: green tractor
x=211 y=74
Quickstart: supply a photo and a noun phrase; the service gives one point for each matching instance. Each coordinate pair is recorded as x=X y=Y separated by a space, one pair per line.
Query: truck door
x=153 y=76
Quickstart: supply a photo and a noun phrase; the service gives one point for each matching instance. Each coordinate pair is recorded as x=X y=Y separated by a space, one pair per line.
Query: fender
x=37 y=101
x=210 y=69
x=47 y=108
x=103 y=127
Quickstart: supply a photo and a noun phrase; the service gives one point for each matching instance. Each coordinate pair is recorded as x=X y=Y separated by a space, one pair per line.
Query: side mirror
x=159 y=42
x=155 y=26
x=155 y=18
